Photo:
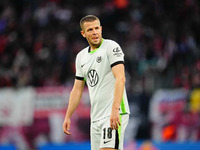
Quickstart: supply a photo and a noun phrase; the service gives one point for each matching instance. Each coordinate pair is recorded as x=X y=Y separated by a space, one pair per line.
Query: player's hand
x=66 y=126
x=114 y=119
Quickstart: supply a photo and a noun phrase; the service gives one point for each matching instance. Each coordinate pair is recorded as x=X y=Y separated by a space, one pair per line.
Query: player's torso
x=95 y=66
x=100 y=80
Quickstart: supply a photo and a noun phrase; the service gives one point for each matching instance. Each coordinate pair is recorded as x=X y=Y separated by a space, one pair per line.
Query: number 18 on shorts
x=110 y=138
x=102 y=136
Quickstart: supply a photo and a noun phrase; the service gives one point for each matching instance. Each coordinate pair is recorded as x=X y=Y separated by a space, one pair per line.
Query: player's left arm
x=119 y=74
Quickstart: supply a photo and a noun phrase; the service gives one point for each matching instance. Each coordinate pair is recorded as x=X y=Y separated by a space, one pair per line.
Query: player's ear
x=83 y=33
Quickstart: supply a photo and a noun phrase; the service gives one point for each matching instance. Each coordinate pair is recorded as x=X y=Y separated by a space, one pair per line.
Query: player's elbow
x=76 y=92
x=122 y=79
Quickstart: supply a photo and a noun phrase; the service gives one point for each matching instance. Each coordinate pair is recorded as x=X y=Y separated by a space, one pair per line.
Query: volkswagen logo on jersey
x=93 y=77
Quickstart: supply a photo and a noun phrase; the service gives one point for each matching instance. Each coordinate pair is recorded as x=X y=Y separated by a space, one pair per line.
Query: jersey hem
x=93 y=121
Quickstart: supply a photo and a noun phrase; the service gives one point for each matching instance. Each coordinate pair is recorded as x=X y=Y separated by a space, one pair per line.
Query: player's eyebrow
x=89 y=29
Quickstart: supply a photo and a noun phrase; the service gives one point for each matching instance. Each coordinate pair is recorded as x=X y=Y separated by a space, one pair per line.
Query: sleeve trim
x=116 y=63
x=79 y=78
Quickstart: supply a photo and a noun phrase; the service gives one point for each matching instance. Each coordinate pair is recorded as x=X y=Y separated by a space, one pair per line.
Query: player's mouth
x=95 y=38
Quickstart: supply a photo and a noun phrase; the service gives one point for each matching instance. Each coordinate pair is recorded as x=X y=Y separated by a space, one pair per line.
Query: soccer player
x=101 y=66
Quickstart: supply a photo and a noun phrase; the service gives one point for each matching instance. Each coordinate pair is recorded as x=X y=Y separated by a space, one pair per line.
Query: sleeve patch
x=117 y=52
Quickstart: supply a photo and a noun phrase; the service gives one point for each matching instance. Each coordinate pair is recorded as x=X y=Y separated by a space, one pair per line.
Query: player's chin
x=96 y=43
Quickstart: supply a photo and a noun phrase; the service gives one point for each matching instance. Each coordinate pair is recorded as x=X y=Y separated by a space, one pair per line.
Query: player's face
x=92 y=31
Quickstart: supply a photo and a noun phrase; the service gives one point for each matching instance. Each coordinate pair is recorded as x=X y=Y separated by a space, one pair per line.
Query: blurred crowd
x=39 y=40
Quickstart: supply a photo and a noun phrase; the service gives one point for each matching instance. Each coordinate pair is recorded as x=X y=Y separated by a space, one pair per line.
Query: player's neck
x=94 y=47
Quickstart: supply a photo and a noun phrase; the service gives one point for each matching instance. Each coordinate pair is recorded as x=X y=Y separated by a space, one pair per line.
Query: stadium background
x=39 y=40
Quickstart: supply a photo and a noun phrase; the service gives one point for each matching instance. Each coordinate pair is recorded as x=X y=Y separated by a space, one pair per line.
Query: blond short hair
x=88 y=18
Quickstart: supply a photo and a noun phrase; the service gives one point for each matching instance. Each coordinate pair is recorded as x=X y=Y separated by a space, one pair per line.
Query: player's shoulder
x=112 y=46
x=110 y=42
x=83 y=51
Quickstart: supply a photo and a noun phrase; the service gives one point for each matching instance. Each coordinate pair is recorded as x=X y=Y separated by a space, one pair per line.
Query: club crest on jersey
x=93 y=78
x=99 y=59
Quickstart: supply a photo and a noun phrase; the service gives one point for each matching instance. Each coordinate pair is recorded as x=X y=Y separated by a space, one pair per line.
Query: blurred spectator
x=43 y=33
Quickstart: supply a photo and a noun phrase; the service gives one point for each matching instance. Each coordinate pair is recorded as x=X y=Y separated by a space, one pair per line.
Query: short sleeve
x=79 y=74
x=115 y=54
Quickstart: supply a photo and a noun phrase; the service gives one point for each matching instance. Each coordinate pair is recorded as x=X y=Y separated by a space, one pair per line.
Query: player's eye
x=89 y=30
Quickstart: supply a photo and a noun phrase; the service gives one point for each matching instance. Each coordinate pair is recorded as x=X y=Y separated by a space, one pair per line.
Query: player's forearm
x=74 y=100
x=118 y=93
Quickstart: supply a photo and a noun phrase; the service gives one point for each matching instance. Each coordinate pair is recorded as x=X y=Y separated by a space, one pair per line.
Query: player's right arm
x=74 y=100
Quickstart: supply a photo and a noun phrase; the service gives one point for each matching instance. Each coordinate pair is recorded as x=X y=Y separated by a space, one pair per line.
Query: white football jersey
x=96 y=69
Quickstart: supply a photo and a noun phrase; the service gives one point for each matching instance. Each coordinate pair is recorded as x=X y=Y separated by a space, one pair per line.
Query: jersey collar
x=91 y=52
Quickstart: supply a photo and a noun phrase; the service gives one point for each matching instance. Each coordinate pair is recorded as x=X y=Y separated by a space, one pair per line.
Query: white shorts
x=102 y=136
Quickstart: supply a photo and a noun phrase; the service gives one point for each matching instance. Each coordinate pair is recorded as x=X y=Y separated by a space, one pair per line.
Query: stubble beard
x=96 y=45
